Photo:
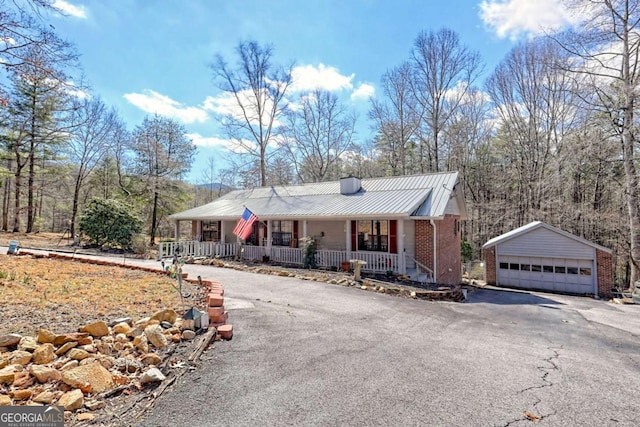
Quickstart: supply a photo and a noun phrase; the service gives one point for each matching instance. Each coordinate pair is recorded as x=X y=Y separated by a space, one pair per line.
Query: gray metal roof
x=404 y=196
x=538 y=224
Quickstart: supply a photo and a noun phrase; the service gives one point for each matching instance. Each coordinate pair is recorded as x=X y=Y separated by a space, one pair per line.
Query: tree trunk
x=74 y=209
x=16 y=206
x=154 y=218
x=30 y=188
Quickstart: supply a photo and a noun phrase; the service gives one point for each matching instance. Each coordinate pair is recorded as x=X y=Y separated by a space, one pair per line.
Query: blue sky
x=146 y=57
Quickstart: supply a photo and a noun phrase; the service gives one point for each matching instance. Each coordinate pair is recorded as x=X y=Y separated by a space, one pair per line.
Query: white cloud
x=309 y=77
x=70 y=9
x=156 y=103
x=513 y=18
x=226 y=104
x=232 y=145
x=364 y=91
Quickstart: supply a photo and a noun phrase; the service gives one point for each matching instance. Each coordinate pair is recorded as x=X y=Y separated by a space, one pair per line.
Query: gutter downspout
x=435 y=252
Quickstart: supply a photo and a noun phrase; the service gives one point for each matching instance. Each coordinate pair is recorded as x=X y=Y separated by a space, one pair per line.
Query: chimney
x=349 y=185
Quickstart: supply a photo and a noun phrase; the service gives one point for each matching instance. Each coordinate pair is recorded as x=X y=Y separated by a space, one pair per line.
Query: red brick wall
x=448 y=247
x=424 y=243
x=490 y=265
x=448 y=250
x=604 y=263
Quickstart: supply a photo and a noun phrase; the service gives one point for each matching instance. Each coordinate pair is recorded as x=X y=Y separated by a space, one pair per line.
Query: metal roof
x=417 y=196
x=538 y=224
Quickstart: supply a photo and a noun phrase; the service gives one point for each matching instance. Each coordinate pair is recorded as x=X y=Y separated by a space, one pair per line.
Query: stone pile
x=76 y=370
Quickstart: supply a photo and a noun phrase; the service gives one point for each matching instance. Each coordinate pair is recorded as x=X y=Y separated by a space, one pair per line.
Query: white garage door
x=554 y=274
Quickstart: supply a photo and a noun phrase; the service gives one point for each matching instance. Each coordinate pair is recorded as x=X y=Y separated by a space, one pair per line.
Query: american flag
x=244 y=227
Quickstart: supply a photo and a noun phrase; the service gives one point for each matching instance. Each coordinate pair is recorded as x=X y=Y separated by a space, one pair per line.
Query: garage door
x=554 y=274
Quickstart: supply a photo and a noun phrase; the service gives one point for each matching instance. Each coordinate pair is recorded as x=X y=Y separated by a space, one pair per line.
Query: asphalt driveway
x=309 y=353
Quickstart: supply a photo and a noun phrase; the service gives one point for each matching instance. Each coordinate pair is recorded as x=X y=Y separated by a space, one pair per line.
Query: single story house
x=539 y=256
x=407 y=225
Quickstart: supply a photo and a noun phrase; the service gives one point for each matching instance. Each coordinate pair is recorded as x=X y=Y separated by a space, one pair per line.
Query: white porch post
x=177 y=231
x=304 y=229
x=348 y=239
x=222 y=233
x=199 y=231
x=402 y=262
x=268 y=225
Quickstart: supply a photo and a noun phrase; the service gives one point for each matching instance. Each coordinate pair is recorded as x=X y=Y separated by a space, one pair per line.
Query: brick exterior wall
x=448 y=250
x=604 y=262
x=490 y=266
x=424 y=243
x=448 y=246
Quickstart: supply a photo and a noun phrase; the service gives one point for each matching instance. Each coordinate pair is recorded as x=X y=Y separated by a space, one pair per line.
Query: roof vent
x=349 y=185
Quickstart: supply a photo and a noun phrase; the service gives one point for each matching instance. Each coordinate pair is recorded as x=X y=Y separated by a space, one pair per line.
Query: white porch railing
x=198 y=249
x=378 y=262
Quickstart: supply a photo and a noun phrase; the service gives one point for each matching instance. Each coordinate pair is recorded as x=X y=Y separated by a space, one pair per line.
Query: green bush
x=109 y=223
x=309 y=250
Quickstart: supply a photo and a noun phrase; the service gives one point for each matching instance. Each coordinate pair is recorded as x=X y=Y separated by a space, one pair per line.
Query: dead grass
x=62 y=295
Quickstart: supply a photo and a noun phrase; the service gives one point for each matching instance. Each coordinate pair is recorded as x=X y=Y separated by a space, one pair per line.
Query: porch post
x=348 y=238
x=402 y=262
x=222 y=232
x=304 y=229
x=177 y=231
x=267 y=224
x=199 y=231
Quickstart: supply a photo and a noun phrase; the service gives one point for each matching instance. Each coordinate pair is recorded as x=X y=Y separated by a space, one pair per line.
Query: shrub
x=109 y=223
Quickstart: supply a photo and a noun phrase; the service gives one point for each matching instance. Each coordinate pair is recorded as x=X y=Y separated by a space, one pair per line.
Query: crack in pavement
x=552 y=365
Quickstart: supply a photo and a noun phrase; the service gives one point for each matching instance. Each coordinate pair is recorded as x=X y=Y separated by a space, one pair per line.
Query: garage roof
x=422 y=196
x=533 y=226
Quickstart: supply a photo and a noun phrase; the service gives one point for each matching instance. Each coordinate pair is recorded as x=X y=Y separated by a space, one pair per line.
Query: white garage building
x=539 y=256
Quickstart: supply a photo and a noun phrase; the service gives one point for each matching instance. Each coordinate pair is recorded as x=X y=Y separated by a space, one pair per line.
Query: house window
x=281 y=233
x=373 y=235
x=210 y=232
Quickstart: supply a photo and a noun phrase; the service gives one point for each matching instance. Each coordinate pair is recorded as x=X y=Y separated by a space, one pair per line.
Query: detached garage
x=539 y=256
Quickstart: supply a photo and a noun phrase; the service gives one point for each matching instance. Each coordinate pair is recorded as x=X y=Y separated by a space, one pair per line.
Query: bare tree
x=94 y=126
x=318 y=131
x=606 y=51
x=444 y=71
x=257 y=88
x=396 y=119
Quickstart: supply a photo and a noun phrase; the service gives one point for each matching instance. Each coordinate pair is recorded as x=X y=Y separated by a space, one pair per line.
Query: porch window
x=281 y=233
x=373 y=235
x=210 y=231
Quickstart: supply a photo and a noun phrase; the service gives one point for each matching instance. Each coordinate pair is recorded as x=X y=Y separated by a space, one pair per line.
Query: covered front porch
x=374 y=262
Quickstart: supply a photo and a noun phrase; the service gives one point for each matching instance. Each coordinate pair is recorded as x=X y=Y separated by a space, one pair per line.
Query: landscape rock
x=188 y=334
x=8 y=373
x=104 y=347
x=45 y=336
x=77 y=354
x=97 y=329
x=94 y=405
x=24 y=394
x=43 y=354
x=23 y=380
x=72 y=400
x=151 y=359
x=155 y=335
x=3 y=362
x=27 y=343
x=45 y=397
x=85 y=416
x=127 y=320
x=5 y=400
x=9 y=340
x=66 y=347
x=151 y=376
x=128 y=364
x=45 y=373
x=70 y=365
x=20 y=357
x=95 y=374
x=121 y=328
x=141 y=343
x=73 y=336
x=166 y=315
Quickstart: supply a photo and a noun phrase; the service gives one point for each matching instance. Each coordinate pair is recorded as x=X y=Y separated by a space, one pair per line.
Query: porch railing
x=375 y=261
